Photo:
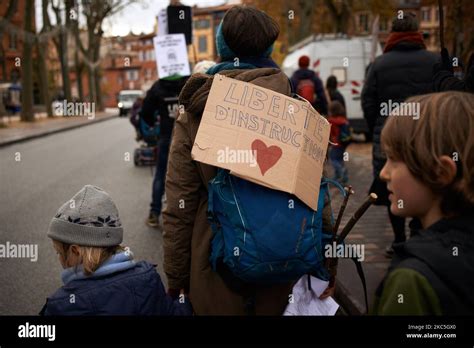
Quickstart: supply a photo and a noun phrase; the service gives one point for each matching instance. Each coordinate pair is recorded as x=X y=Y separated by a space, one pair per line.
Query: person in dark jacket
x=304 y=75
x=100 y=277
x=430 y=168
x=161 y=105
x=405 y=69
x=134 y=116
x=444 y=79
x=332 y=91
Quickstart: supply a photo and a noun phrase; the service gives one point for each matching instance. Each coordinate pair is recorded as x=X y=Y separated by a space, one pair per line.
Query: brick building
x=12 y=39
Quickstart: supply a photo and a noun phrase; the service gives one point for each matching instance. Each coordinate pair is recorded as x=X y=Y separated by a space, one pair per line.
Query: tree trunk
x=306 y=21
x=27 y=65
x=97 y=75
x=79 y=69
x=43 y=73
x=64 y=64
x=90 y=81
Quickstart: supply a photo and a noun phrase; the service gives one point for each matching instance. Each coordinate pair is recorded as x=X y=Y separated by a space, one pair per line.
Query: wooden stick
x=357 y=215
x=349 y=191
x=331 y=263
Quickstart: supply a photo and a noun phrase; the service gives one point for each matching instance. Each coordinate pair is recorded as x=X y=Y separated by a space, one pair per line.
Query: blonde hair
x=90 y=257
x=445 y=127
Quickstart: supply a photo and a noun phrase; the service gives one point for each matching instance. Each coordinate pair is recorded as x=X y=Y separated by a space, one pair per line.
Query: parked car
x=126 y=98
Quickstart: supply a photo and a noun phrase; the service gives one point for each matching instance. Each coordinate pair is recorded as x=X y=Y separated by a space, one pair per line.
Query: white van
x=345 y=58
x=126 y=98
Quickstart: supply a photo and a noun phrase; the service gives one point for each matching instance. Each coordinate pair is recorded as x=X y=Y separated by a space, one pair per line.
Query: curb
x=347 y=301
x=49 y=132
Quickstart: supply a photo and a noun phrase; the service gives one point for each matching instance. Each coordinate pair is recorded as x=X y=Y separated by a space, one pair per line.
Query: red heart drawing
x=267 y=157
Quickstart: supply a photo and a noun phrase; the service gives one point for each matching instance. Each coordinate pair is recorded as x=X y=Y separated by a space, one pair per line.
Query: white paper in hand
x=307 y=302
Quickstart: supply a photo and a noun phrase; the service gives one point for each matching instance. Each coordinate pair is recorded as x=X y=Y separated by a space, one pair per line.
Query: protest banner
x=286 y=138
x=171 y=55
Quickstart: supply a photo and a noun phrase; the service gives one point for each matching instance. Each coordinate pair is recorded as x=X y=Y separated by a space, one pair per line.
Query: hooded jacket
x=187 y=233
x=433 y=270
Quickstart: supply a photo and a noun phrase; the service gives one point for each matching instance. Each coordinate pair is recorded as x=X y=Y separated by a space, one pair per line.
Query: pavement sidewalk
x=15 y=132
x=373 y=231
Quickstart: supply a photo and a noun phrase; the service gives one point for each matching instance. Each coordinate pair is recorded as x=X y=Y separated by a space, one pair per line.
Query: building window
x=202 y=44
x=148 y=73
x=364 y=22
x=202 y=24
x=132 y=75
x=129 y=47
x=13 y=41
x=383 y=25
x=426 y=14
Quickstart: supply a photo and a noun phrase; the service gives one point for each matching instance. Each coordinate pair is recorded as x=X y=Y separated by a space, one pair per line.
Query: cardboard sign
x=264 y=137
x=171 y=55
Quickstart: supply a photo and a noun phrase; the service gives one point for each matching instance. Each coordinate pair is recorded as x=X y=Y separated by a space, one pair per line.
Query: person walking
x=405 y=69
x=333 y=93
x=308 y=85
x=244 y=41
x=161 y=105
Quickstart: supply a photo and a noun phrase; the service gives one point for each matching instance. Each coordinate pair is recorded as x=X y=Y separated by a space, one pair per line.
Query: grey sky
x=139 y=17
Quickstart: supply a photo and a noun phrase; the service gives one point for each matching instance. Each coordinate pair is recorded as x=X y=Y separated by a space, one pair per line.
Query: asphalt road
x=51 y=170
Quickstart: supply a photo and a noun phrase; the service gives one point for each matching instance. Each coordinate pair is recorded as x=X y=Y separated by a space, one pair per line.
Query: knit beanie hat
x=303 y=62
x=90 y=218
x=225 y=52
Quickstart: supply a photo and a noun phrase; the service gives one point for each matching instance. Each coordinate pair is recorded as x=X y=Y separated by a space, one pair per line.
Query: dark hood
x=194 y=94
x=303 y=74
x=434 y=247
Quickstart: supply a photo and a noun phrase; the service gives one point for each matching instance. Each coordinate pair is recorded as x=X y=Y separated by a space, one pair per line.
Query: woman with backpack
x=244 y=40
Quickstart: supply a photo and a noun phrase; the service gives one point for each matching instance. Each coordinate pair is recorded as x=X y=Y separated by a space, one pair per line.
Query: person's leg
x=336 y=164
x=159 y=182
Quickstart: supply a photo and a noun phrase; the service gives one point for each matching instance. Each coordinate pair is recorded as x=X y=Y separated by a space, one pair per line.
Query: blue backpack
x=265 y=236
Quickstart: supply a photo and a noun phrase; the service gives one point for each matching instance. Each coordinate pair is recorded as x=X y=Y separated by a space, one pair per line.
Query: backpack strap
x=360 y=272
x=335 y=183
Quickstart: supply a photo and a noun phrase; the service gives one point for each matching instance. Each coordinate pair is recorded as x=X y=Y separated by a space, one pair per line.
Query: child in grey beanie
x=100 y=276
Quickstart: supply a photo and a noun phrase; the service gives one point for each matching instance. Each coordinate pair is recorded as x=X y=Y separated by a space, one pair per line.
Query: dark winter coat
x=403 y=72
x=321 y=103
x=434 y=270
x=136 y=291
x=162 y=97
